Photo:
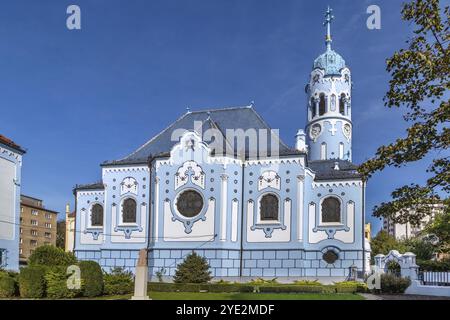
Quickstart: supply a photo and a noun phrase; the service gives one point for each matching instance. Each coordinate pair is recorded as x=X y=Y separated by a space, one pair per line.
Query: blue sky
x=74 y=99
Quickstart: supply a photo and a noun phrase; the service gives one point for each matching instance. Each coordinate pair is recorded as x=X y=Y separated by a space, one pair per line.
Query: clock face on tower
x=128 y=185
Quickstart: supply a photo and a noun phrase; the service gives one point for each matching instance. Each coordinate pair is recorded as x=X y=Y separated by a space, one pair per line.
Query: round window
x=189 y=203
x=330 y=257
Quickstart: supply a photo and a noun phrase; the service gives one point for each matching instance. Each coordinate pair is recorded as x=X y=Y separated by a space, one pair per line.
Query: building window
x=21 y=231
x=330 y=257
x=269 y=207
x=331 y=210
x=34 y=233
x=48 y=215
x=34 y=212
x=322 y=105
x=323 y=151
x=333 y=103
x=97 y=215
x=129 y=211
x=34 y=222
x=189 y=203
x=33 y=243
x=21 y=240
x=48 y=225
x=48 y=235
x=342 y=104
x=20 y=251
x=313 y=107
x=341 y=150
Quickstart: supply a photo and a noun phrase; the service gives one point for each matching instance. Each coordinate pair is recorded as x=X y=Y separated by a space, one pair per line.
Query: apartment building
x=37 y=226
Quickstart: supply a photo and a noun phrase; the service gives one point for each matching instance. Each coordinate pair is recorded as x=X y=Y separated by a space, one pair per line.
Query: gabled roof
x=325 y=169
x=11 y=144
x=222 y=119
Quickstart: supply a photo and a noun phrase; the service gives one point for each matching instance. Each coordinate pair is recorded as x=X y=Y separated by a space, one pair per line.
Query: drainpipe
x=364 y=226
x=242 y=222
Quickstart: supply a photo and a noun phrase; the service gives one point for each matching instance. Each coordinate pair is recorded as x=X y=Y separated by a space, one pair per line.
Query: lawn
x=242 y=296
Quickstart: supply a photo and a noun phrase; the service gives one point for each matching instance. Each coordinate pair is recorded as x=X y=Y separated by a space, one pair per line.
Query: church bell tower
x=329 y=127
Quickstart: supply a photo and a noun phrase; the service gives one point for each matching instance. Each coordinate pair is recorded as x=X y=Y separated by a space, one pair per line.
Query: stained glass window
x=129 y=211
x=331 y=210
x=269 y=207
x=97 y=215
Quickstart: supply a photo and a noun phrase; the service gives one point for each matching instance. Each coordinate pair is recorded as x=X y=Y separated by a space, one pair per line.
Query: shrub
x=32 y=282
x=261 y=281
x=92 y=278
x=393 y=284
x=56 y=282
x=8 y=285
x=308 y=282
x=393 y=267
x=118 y=281
x=346 y=286
x=51 y=256
x=292 y=289
x=434 y=266
x=194 y=269
x=196 y=287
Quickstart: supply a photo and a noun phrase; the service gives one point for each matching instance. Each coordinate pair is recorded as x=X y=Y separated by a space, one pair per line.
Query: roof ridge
x=221 y=109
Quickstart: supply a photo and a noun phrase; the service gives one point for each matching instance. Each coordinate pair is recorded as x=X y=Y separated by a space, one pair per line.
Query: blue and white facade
x=255 y=209
x=10 y=181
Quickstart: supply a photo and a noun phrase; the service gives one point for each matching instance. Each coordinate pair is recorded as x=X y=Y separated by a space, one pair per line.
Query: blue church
x=222 y=183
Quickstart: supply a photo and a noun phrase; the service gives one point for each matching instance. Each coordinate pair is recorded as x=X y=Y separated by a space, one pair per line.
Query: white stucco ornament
x=129 y=185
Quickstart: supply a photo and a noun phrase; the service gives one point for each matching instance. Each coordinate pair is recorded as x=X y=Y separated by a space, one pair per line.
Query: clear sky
x=74 y=99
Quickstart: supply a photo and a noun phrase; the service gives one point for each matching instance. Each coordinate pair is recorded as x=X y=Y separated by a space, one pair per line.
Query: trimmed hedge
x=8 y=285
x=292 y=289
x=51 y=256
x=32 y=282
x=194 y=287
x=92 y=278
x=118 y=281
x=56 y=282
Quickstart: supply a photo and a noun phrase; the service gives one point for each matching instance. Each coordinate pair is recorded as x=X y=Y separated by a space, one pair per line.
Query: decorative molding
x=126 y=169
x=129 y=185
x=269 y=179
x=190 y=170
x=343 y=183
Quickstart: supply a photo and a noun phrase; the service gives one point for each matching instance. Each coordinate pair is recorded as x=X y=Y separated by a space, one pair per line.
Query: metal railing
x=429 y=278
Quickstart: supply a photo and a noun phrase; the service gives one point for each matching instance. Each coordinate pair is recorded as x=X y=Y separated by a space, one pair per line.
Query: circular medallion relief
x=189 y=203
x=315 y=131
x=347 y=130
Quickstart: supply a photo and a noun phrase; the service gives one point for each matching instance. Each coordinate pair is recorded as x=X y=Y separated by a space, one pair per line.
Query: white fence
x=435 y=278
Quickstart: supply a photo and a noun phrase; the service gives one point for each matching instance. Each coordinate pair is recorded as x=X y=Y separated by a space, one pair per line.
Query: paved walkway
x=369 y=296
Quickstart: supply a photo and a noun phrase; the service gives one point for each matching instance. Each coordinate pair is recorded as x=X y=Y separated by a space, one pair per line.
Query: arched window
x=313 y=107
x=341 y=150
x=269 y=207
x=129 y=211
x=323 y=151
x=97 y=215
x=333 y=103
x=342 y=104
x=322 y=108
x=331 y=210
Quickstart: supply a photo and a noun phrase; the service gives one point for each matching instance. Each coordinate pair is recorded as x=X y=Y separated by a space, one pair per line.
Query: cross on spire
x=328 y=18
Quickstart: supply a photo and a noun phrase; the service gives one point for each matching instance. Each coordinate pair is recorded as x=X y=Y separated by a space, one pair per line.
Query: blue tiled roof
x=330 y=61
x=325 y=169
x=229 y=118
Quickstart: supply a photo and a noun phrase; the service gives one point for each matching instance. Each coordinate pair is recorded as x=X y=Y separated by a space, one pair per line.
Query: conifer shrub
x=194 y=269
x=32 y=282
x=57 y=286
x=118 y=281
x=92 y=278
x=8 y=285
x=51 y=256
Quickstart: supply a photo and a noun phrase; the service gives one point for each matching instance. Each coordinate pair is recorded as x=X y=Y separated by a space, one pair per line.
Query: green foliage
x=92 y=278
x=51 y=256
x=434 y=266
x=261 y=281
x=423 y=250
x=440 y=226
x=196 y=287
x=118 y=282
x=392 y=284
x=351 y=286
x=382 y=243
x=293 y=289
x=393 y=267
x=56 y=283
x=308 y=282
x=194 y=269
x=32 y=281
x=160 y=273
x=8 y=285
x=420 y=80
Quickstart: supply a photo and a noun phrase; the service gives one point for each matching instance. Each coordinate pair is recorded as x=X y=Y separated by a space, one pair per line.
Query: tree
x=420 y=83
x=61 y=234
x=194 y=269
x=440 y=226
x=382 y=243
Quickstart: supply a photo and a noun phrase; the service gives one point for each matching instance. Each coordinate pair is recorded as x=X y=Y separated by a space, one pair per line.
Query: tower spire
x=328 y=18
